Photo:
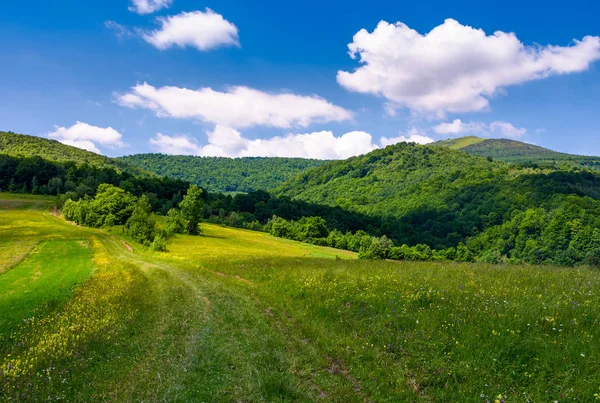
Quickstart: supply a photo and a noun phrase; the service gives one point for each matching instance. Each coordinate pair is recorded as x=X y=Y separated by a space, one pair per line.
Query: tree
x=141 y=226
x=175 y=224
x=192 y=209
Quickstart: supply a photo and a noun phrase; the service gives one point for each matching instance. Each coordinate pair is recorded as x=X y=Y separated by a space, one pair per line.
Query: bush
x=160 y=242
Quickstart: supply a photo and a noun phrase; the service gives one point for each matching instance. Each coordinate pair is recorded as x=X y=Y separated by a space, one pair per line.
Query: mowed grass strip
x=45 y=278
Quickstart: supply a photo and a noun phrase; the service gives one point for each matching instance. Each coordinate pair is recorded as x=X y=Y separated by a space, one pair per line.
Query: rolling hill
x=441 y=197
x=22 y=145
x=518 y=152
x=224 y=174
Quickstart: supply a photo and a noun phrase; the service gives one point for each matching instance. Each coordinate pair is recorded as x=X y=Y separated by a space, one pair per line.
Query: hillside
x=518 y=152
x=237 y=315
x=441 y=197
x=224 y=174
x=22 y=145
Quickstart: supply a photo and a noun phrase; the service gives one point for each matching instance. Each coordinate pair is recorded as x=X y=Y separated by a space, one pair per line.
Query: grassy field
x=49 y=274
x=236 y=315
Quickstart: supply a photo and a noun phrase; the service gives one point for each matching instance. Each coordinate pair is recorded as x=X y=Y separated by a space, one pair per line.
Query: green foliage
x=111 y=206
x=141 y=226
x=460 y=206
x=218 y=174
x=69 y=180
x=175 y=223
x=160 y=242
x=21 y=145
x=192 y=209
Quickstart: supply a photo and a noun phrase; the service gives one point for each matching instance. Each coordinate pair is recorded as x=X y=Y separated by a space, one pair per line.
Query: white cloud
x=201 y=30
x=119 y=30
x=457 y=127
x=148 y=6
x=506 y=129
x=225 y=141
x=413 y=136
x=453 y=68
x=238 y=107
x=87 y=137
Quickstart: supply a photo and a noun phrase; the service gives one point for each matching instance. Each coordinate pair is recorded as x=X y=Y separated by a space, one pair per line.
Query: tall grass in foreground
x=442 y=332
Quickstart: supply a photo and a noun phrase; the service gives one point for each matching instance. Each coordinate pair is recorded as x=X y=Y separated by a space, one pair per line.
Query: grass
x=46 y=277
x=457 y=144
x=240 y=316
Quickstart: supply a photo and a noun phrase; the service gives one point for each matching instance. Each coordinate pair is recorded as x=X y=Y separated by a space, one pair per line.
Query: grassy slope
x=518 y=152
x=45 y=278
x=457 y=144
x=233 y=317
x=224 y=174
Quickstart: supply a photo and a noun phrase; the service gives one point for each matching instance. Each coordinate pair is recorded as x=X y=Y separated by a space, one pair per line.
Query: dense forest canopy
x=441 y=197
x=220 y=174
x=519 y=152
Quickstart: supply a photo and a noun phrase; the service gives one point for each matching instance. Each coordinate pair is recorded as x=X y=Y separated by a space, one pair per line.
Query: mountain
x=441 y=197
x=22 y=145
x=518 y=152
x=224 y=174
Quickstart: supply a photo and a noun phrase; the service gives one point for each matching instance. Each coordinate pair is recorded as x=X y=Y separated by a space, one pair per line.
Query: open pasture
x=236 y=315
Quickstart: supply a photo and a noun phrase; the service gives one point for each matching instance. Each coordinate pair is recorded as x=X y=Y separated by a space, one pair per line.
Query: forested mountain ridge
x=441 y=197
x=518 y=152
x=23 y=145
x=223 y=174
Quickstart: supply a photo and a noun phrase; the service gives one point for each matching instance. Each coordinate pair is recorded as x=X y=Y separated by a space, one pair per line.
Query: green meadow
x=236 y=315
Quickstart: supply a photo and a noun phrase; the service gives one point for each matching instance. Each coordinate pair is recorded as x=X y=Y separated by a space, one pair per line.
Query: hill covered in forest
x=442 y=197
x=518 y=152
x=22 y=145
x=224 y=174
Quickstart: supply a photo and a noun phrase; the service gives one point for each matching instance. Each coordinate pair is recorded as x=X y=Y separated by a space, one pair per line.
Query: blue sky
x=276 y=78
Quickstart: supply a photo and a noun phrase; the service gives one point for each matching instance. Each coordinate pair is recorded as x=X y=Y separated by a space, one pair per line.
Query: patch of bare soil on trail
x=126 y=246
x=336 y=367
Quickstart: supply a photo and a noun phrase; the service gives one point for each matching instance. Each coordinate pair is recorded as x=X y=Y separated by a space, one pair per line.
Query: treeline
x=565 y=236
x=253 y=210
x=220 y=174
x=314 y=230
x=74 y=181
x=114 y=206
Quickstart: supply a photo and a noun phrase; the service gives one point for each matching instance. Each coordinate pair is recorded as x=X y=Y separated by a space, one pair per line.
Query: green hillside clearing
x=271 y=323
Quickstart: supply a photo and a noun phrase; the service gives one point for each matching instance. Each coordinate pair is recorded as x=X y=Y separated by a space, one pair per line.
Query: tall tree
x=192 y=209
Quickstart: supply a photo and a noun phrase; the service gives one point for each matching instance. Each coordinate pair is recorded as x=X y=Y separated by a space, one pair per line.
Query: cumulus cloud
x=413 y=136
x=458 y=127
x=225 y=141
x=453 y=68
x=148 y=6
x=87 y=137
x=238 y=107
x=201 y=30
